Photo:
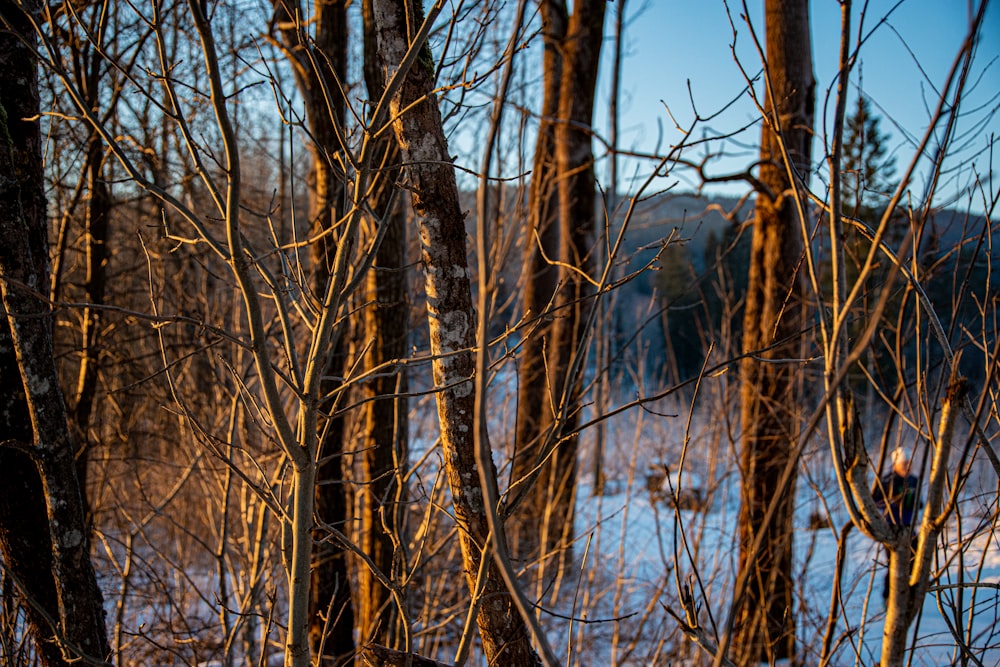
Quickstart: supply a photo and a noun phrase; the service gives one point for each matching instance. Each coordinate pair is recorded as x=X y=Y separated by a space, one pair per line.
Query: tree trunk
x=24 y=530
x=451 y=322
x=575 y=176
x=534 y=393
x=53 y=563
x=88 y=63
x=604 y=345
x=385 y=434
x=98 y=212
x=562 y=216
x=765 y=627
x=386 y=325
x=909 y=572
x=319 y=63
x=381 y=656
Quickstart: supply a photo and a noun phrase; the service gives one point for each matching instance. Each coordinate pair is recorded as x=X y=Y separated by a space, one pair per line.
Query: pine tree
x=868 y=168
x=867 y=173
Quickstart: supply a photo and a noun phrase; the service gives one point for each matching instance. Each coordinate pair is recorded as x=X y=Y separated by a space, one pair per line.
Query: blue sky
x=904 y=62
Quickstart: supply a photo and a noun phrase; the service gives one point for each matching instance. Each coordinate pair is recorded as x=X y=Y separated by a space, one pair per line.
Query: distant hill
x=691 y=221
x=687 y=220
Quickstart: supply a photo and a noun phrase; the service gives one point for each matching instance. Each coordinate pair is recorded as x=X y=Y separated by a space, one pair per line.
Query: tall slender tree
x=604 y=343
x=316 y=46
x=43 y=530
x=765 y=626
x=577 y=222
x=534 y=415
x=90 y=67
x=417 y=125
x=565 y=178
x=385 y=327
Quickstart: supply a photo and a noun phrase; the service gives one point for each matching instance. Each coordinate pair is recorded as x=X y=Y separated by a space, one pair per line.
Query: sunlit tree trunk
x=24 y=529
x=43 y=530
x=97 y=258
x=575 y=175
x=765 y=624
x=386 y=327
x=603 y=348
x=451 y=322
x=95 y=282
x=317 y=50
x=385 y=432
x=563 y=347
x=534 y=408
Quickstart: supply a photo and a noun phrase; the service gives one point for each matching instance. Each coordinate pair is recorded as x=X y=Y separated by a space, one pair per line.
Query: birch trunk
x=451 y=321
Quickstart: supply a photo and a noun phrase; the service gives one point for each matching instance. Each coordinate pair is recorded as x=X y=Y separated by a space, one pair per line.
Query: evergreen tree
x=867 y=171
x=867 y=183
x=868 y=168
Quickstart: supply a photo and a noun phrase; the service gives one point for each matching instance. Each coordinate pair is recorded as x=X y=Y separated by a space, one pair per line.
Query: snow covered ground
x=639 y=537
x=634 y=554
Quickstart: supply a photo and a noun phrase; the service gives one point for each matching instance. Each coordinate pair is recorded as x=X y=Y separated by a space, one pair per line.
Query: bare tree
x=451 y=318
x=315 y=39
x=534 y=411
x=564 y=177
x=43 y=530
x=96 y=219
x=910 y=554
x=577 y=223
x=256 y=307
x=278 y=372
x=386 y=330
x=604 y=342
x=772 y=323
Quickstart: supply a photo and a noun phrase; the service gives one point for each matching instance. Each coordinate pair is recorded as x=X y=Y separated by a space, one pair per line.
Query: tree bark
x=765 y=627
x=381 y=656
x=575 y=176
x=562 y=216
x=451 y=321
x=24 y=529
x=910 y=573
x=320 y=63
x=385 y=326
x=43 y=530
x=95 y=283
x=534 y=400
